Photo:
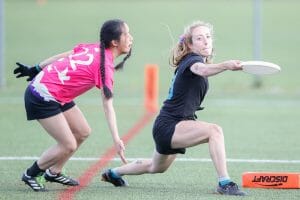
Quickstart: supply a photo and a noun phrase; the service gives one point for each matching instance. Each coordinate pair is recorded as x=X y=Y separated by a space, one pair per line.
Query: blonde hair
x=181 y=48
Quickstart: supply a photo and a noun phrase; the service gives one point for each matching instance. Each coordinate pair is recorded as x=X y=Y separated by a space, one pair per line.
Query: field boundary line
x=212 y=101
x=229 y=160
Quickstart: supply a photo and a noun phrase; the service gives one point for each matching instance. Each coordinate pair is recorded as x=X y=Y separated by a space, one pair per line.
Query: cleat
x=108 y=176
x=230 y=189
x=35 y=183
x=60 y=178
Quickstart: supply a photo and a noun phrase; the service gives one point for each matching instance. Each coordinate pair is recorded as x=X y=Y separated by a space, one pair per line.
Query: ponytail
x=107 y=92
x=180 y=50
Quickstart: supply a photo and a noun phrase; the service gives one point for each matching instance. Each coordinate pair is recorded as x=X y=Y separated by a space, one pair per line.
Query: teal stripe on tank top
x=172 y=87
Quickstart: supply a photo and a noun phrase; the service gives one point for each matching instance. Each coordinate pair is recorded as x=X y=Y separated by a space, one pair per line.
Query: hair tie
x=181 y=39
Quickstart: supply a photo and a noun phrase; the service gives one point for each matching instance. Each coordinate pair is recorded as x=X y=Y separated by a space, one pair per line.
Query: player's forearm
x=111 y=118
x=207 y=69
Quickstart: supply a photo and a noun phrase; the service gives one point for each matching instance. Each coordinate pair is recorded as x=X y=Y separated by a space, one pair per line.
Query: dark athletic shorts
x=37 y=108
x=163 y=130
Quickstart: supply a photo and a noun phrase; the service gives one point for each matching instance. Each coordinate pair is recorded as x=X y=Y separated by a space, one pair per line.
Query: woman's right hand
x=120 y=148
x=26 y=70
x=233 y=65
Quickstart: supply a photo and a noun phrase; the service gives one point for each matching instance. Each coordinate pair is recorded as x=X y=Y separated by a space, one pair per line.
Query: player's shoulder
x=188 y=60
x=193 y=57
x=83 y=46
x=88 y=44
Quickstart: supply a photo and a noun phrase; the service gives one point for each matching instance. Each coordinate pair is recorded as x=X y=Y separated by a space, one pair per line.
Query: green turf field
x=258 y=123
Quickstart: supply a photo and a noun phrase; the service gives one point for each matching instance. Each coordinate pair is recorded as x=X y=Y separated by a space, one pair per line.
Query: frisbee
x=260 y=67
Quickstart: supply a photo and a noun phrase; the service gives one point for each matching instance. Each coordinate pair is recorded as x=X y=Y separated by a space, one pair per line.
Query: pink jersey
x=69 y=77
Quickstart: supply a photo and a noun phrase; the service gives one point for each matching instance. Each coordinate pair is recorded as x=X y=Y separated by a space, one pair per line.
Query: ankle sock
x=34 y=170
x=115 y=174
x=224 y=181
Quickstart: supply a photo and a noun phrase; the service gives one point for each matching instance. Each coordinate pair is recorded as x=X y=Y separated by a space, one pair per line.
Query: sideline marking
x=109 y=154
x=212 y=101
x=229 y=160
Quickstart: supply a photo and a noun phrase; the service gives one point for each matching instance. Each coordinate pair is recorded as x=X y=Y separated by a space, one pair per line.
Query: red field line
x=104 y=159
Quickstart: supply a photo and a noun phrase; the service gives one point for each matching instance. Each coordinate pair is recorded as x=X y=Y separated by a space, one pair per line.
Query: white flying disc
x=260 y=67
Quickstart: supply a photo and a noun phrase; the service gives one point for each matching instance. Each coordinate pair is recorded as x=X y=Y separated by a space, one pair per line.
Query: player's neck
x=115 y=52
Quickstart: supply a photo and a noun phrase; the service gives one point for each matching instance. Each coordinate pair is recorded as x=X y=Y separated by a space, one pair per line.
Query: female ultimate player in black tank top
x=176 y=127
x=186 y=93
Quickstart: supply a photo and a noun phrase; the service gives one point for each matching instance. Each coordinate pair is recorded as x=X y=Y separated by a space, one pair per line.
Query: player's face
x=201 y=41
x=126 y=40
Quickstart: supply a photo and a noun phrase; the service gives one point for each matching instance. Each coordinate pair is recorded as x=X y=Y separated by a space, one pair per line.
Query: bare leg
x=190 y=133
x=158 y=164
x=58 y=128
x=80 y=130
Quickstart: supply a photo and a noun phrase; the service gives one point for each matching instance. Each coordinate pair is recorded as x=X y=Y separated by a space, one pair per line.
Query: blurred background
x=37 y=29
x=260 y=115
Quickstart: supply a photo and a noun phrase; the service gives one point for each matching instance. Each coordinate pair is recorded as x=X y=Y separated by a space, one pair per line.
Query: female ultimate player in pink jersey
x=54 y=84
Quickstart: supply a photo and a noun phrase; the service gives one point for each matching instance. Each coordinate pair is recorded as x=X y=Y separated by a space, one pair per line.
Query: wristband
x=37 y=67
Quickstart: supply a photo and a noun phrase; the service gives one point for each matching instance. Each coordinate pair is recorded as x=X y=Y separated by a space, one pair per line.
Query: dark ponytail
x=106 y=90
x=110 y=30
x=121 y=64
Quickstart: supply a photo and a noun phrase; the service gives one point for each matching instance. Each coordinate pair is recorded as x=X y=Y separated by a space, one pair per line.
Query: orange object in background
x=151 y=87
x=41 y=2
x=272 y=180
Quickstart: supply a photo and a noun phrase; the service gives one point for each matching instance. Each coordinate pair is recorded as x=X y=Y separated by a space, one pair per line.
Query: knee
x=83 y=134
x=69 y=148
x=155 y=170
x=160 y=170
x=216 y=131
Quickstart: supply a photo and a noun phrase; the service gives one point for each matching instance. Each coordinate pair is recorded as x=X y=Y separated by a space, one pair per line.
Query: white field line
x=139 y=101
x=230 y=160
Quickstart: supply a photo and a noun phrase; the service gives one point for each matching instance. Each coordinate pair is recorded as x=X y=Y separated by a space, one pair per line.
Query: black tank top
x=187 y=90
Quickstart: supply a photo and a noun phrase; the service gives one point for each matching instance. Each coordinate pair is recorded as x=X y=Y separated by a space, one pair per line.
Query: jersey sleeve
x=109 y=71
x=189 y=60
x=109 y=78
x=194 y=59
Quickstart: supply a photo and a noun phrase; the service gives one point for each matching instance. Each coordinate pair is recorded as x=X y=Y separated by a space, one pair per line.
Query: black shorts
x=163 y=130
x=37 y=108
